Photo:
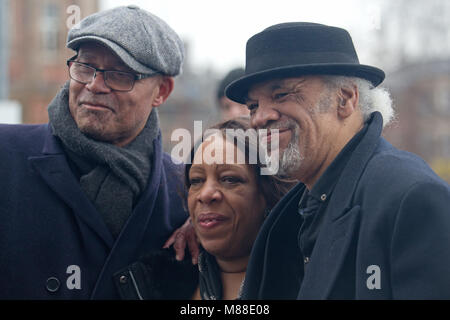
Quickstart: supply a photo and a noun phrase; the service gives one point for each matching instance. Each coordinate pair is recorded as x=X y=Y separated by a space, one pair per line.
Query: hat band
x=267 y=61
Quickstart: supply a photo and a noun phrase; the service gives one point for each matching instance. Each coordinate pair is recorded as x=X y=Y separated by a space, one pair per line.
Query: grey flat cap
x=143 y=41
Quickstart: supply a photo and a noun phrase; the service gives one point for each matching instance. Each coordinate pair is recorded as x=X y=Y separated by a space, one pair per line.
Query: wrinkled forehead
x=215 y=149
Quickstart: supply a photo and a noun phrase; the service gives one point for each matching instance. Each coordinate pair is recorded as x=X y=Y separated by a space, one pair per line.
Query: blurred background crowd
x=408 y=39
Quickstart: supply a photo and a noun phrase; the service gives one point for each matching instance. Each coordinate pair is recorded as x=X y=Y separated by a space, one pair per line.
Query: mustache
x=96 y=100
x=282 y=124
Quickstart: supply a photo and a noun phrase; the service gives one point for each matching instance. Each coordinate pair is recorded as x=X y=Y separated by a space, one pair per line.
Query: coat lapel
x=329 y=255
x=263 y=279
x=281 y=279
x=341 y=221
x=52 y=166
x=133 y=232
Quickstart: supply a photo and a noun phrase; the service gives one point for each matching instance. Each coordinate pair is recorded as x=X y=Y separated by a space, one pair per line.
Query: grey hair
x=370 y=99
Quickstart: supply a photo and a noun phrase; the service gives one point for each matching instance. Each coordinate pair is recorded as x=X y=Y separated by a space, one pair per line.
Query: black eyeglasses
x=115 y=80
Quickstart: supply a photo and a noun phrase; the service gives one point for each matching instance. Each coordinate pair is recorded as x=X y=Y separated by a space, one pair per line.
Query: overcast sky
x=217 y=31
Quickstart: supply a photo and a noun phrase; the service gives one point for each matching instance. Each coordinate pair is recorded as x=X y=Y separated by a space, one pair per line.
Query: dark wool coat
x=158 y=276
x=53 y=242
x=385 y=234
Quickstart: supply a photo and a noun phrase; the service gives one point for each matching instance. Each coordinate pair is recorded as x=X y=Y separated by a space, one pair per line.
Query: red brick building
x=37 y=52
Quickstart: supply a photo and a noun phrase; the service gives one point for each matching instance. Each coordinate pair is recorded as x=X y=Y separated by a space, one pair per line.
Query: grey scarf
x=112 y=177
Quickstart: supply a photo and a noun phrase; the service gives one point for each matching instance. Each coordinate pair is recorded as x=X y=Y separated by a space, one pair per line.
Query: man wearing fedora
x=366 y=221
x=87 y=194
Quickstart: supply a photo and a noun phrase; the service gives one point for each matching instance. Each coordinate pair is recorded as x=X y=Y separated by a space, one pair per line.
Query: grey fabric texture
x=144 y=42
x=112 y=177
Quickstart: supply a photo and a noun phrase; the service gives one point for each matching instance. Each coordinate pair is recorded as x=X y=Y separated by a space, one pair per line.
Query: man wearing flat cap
x=366 y=221
x=89 y=192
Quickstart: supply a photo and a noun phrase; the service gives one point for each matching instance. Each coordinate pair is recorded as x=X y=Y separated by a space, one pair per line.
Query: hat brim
x=118 y=50
x=238 y=89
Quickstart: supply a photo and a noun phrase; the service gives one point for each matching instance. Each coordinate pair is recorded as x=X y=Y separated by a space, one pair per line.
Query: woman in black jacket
x=228 y=199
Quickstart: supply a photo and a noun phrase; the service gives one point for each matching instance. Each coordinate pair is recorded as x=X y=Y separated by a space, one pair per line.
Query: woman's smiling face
x=225 y=203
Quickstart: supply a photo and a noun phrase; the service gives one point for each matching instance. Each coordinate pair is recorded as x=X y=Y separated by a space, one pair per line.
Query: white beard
x=291 y=158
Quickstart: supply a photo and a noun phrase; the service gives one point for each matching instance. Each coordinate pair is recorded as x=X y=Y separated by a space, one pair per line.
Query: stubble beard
x=291 y=159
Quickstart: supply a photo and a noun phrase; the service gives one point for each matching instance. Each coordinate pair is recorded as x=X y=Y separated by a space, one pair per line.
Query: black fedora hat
x=300 y=48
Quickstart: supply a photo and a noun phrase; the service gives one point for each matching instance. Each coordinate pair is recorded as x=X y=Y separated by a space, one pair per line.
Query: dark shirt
x=312 y=204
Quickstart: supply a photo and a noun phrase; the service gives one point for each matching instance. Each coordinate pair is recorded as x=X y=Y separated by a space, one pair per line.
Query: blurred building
x=193 y=99
x=421 y=94
x=4 y=50
x=37 y=31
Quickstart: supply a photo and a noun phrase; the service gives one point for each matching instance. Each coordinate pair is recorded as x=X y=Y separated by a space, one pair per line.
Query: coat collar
x=341 y=220
x=348 y=181
x=54 y=169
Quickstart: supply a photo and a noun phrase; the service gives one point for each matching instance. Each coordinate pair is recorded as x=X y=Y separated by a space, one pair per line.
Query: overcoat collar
x=341 y=220
x=54 y=169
